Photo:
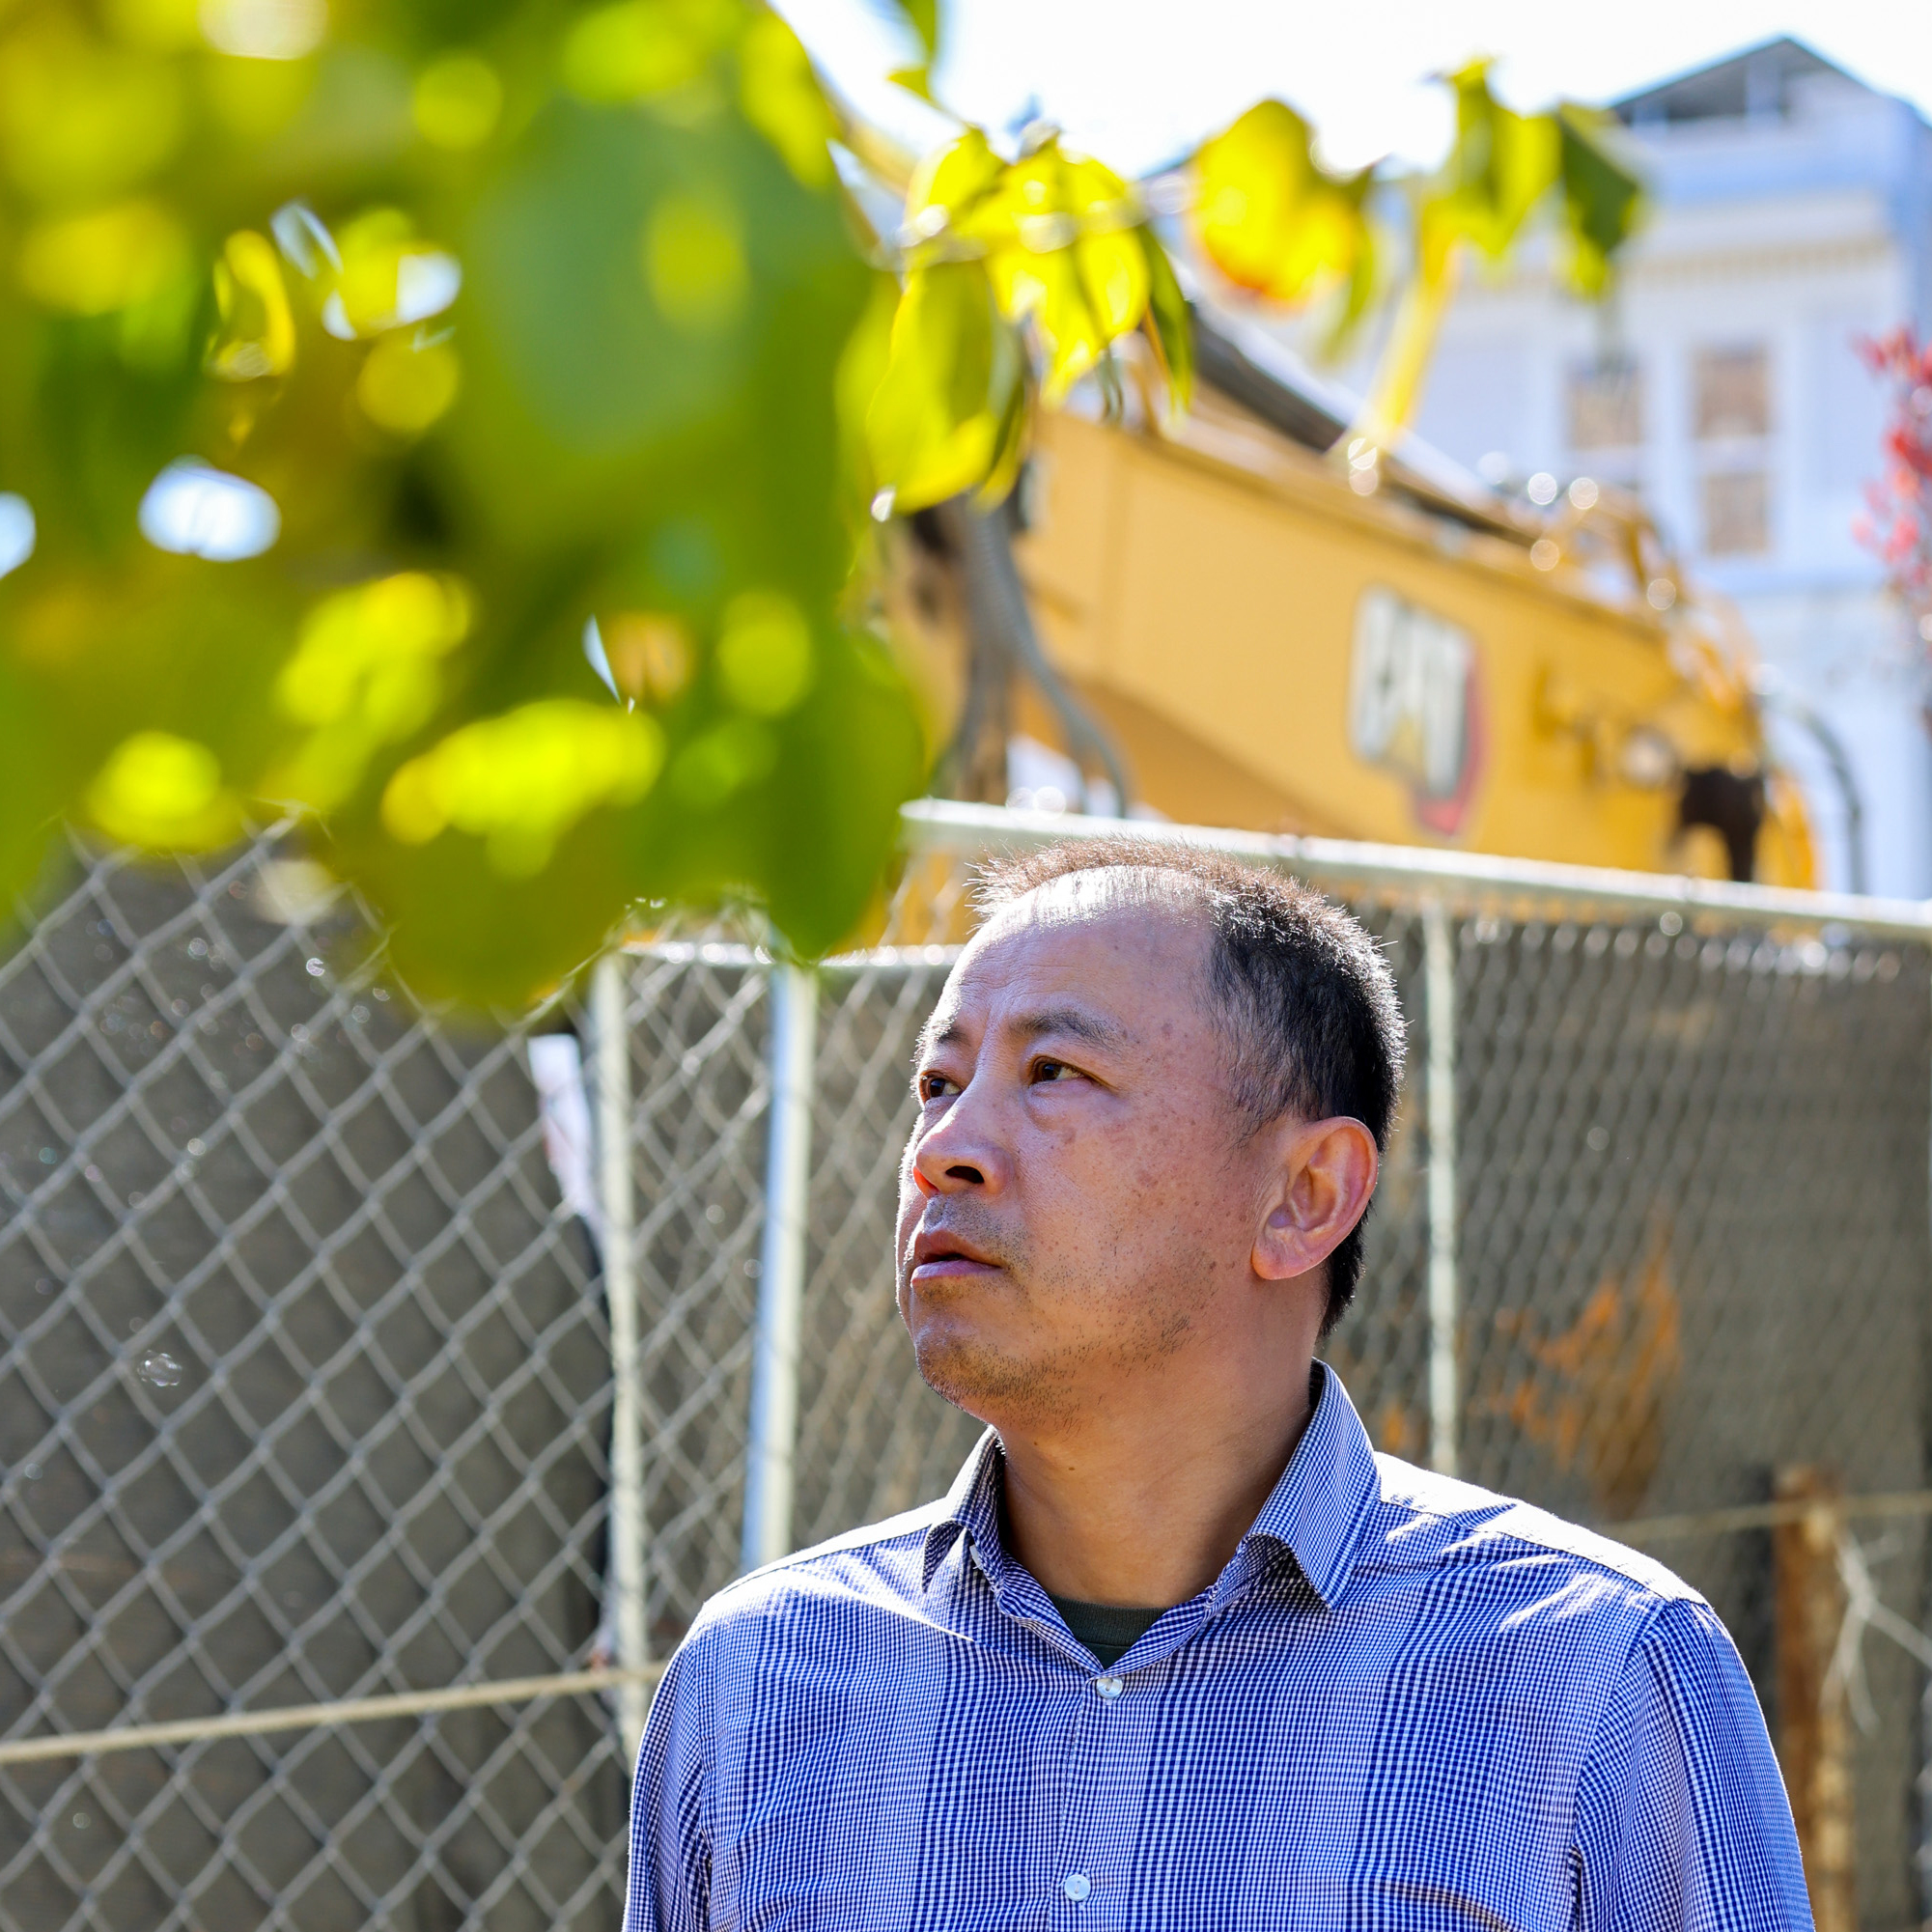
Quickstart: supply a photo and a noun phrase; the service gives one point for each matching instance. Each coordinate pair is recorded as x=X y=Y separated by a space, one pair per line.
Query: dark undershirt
x=1112 y=1630
x=1108 y=1630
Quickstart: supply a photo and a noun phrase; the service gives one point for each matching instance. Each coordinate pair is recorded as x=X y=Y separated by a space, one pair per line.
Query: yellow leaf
x=1269 y=218
x=1058 y=234
x=80 y=121
x=1499 y=167
x=258 y=329
x=861 y=369
x=695 y=262
x=365 y=673
x=387 y=278
x=781 y=98
x=403 y=386
x=164 y=793
x=643 y=48
x=1113 y=271
x=91 y=265
x=765 y=654
x=952 y=372
x=1046 y=288
x=519 y=781
x=950 y=181
x=1169 y=321
x=457 y=101
x=649 y=654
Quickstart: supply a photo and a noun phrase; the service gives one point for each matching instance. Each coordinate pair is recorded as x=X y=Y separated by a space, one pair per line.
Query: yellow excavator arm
x=1272 y=638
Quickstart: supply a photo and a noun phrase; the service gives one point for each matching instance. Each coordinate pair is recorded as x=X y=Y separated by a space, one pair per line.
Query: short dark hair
x=1297 y=988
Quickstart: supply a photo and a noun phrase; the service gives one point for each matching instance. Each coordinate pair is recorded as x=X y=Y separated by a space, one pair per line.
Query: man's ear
x=1324 y=1176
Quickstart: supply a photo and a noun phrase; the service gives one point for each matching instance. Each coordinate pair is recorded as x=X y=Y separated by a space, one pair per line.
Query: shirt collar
x=1316 y=1511
x=972 y=1509
x=1320 y=1507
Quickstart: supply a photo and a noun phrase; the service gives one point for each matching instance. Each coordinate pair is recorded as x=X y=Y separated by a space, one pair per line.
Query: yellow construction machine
x=1236 y=618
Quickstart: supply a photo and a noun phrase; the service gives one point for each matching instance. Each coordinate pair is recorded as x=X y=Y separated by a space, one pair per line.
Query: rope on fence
x=582 y=1683
x=319 y=1717
x=1763 y=1516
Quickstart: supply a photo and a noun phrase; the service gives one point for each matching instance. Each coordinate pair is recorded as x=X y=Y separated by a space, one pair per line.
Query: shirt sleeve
x=668 y=1886
x=1682 y=1824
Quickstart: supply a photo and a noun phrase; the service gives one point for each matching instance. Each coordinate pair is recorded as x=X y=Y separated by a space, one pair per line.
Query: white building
x=1792 y=212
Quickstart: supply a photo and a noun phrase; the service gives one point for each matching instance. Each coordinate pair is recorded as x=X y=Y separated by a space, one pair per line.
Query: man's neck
x=1132 y=1508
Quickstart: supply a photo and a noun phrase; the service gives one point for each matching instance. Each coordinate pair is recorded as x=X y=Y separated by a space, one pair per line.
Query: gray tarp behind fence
x=305 y=1383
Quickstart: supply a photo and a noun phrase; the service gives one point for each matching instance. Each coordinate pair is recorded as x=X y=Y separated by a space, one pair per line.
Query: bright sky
x=1137 y=83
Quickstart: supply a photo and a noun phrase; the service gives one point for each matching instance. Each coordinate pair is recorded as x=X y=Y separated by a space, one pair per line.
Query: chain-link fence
x=309 y=1306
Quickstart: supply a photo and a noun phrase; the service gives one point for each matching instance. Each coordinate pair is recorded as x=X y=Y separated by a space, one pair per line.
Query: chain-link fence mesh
x=306 y=1389
x=303 y=1396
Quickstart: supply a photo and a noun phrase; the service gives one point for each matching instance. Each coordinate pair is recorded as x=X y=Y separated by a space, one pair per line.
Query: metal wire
x=306 y=1381
x=324 y=1717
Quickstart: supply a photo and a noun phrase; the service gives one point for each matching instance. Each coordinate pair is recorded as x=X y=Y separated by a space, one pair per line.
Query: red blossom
x=1897 y=526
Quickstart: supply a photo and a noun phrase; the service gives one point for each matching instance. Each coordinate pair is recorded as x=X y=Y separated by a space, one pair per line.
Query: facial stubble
x=1142 y=1327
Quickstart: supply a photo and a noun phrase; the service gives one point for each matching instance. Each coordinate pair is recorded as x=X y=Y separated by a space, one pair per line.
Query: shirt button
x=1075 y=1885
x=1109 y=1688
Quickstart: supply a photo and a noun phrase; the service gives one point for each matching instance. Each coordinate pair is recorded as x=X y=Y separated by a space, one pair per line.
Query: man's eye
x=1052 y=1070
x=936 y=1086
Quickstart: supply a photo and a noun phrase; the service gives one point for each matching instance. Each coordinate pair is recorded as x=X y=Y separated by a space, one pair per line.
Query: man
x=1179 y=1650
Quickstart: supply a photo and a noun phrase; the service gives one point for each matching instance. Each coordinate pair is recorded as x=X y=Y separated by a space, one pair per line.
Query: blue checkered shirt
x=1404 y=1702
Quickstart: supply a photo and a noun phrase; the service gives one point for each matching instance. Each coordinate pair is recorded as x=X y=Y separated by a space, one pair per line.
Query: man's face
x=1078 y=1197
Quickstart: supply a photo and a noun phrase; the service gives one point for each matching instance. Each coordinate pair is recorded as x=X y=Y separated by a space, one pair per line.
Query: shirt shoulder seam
x=1490 y=1515
x=909 y=1523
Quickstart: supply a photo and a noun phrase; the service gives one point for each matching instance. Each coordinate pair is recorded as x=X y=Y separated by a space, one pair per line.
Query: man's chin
x=985 y=1381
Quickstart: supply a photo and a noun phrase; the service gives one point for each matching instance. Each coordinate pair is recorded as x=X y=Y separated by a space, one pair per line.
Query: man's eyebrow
x=930 y=1041
x=1076 y=1021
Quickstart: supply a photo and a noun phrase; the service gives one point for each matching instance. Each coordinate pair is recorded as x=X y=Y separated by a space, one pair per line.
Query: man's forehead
x=1088 y=952
x=1099 y=893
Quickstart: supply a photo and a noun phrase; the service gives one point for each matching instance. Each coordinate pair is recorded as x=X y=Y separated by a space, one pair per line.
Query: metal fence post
x=1814 y=1728
x=794 y=992
x=1922 y=1783
x=626 y=1539
x=1438 y=977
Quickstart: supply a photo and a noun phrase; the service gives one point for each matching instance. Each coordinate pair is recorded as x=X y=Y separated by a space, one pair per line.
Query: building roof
x=1755 y=82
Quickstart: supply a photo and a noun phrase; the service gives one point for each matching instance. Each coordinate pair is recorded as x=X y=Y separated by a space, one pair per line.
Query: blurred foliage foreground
x=368 y=370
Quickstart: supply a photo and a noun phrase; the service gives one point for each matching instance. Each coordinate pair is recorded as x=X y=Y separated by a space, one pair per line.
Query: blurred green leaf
x=1501 y=166
x=923 y=17
x=800 y=810
x=926 y=22
x=471 y=341
x=38 y=779
x=1602 y=197
x=1501 y=170
x=358 y=364
x=1168 y=322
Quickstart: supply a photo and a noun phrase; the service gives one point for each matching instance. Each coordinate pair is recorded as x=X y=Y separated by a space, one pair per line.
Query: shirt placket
x=1102 y=1782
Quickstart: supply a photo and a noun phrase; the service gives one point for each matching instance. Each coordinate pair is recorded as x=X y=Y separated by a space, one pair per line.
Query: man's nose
x=961 y=1152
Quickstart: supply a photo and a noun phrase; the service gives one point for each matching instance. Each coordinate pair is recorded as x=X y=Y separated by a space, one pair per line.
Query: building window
x=1731 y=393
x=1737 y=513
x=1606 y=405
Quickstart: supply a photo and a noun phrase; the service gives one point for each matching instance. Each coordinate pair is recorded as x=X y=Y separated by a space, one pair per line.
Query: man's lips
x=937 y=1254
